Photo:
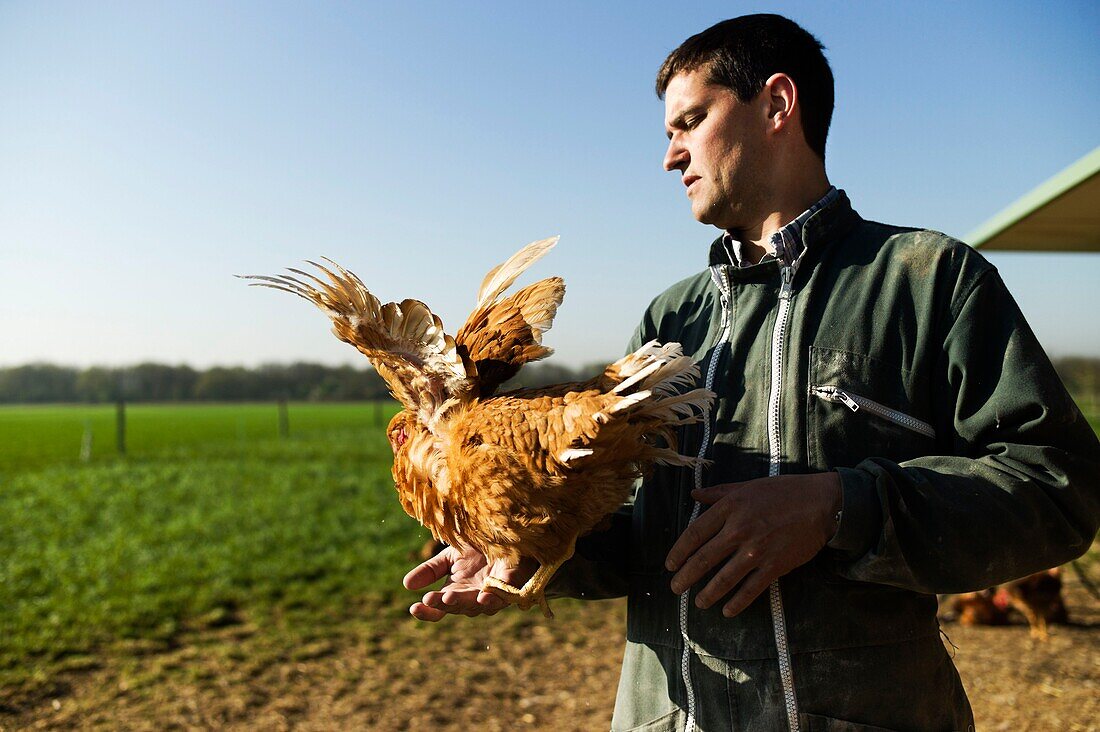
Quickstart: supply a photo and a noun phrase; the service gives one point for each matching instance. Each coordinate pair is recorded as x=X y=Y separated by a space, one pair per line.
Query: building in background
x=1060 y=215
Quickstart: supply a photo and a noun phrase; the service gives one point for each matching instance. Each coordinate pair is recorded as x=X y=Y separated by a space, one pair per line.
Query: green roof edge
x=1038 y=197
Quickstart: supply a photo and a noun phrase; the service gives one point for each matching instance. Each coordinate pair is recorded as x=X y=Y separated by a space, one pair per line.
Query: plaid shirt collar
x=787 y=242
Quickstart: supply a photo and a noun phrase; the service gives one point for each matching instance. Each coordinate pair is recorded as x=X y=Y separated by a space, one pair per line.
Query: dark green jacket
x=964 y=464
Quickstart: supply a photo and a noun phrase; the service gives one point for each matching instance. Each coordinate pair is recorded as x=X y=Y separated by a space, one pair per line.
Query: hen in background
x=1038 y=597
x=518 y=474
x=975 y=608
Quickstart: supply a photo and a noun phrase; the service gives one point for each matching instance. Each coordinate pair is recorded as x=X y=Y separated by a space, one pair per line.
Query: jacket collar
x=833 y=216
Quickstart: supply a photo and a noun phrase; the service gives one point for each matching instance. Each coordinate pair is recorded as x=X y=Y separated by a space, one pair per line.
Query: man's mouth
x=689 y=180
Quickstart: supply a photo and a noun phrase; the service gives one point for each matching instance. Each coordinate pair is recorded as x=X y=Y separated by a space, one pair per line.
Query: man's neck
x=756 y=240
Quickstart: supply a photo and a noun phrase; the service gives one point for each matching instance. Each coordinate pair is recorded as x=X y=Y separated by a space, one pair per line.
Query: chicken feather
x=501 y=277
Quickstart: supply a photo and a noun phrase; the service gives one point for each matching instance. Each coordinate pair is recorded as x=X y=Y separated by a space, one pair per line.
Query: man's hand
x=755 y=531
x=461 y=594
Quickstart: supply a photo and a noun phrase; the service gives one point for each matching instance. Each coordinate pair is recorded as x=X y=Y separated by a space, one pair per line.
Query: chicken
x=517 y=474
x=1038 y=597
x=977 y=608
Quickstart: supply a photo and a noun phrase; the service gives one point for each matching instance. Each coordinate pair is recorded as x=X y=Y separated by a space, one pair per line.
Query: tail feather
x=682 y=409
x=632 y=363
x=646 y=404
x=668 y=456
x=405 y=341
x=662 y=368
x=679 y=409
x=540 y=305
x=501 y=335
x=501 y=277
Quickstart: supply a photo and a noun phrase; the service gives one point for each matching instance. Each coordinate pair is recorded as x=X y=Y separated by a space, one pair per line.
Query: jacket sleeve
x=1020 y=491
x=601 y=565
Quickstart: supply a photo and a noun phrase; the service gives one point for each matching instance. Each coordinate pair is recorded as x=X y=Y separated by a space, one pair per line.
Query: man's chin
x=706 y=215
x=701 y=212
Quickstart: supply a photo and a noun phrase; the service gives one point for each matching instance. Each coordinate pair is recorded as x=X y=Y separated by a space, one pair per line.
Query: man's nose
x=676 y=157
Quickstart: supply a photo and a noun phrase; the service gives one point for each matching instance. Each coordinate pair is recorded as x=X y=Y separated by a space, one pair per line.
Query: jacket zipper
x=722 y=282
x=855 y=402
x=775 y=597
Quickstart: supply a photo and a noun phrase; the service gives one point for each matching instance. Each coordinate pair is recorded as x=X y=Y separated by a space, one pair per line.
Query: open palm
x=466 y=571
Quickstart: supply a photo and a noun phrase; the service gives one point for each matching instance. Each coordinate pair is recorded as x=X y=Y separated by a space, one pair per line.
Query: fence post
x=284 y=420
x=86 y=442
x=120 y=426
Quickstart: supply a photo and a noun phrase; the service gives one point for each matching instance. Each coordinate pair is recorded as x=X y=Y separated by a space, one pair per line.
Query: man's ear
x=781 y=95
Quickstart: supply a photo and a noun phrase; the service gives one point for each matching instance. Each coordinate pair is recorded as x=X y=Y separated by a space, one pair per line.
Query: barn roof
x=1060 y=215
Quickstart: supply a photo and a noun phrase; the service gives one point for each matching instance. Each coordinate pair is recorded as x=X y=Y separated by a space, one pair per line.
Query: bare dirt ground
x=513 y=671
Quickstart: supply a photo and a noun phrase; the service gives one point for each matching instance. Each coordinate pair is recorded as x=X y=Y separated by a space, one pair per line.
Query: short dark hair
x=741 y=53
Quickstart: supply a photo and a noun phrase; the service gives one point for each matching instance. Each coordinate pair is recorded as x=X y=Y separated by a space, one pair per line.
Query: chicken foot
x=533 y=591
x=1036 y=620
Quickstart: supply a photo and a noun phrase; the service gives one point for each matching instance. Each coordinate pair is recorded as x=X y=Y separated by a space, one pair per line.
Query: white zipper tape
x=775 y=449
x=723 y=335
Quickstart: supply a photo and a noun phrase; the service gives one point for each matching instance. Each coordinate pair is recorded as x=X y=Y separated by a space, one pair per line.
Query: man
x=887 y=428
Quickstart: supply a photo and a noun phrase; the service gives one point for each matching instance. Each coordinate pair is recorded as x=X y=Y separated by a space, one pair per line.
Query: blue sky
x=149 y=151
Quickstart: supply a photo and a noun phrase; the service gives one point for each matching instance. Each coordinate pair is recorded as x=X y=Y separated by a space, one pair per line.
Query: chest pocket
x=859 y=407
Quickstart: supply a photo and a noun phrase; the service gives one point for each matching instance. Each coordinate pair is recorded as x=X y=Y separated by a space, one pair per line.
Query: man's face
x=716 y=142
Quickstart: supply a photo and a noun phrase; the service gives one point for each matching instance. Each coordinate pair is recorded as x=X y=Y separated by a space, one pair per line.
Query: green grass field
x=210 y=516
x=1093 y=417
x=40 y=436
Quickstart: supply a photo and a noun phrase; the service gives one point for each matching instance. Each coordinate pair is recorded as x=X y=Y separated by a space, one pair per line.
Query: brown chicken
x=1038 y=597
x=522 y=473
x=977 y=608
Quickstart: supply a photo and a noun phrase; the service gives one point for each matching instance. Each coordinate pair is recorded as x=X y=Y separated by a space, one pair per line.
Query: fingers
x=492 y=603
x=697 y=533
x=429 y=572
x=712 y=494
x=420 y=611
x=433 y=613
x=468 y=601
x=706 y=558
x=455 y=601
x=461 y=595
x=751 y=533
x=755 y=583
x=727 y=578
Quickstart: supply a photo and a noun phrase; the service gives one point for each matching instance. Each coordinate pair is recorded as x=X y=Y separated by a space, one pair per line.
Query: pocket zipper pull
x=834 y=394
x=846 y=400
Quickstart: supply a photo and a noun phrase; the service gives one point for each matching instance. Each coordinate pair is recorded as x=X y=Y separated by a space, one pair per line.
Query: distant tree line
x=154 y=382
